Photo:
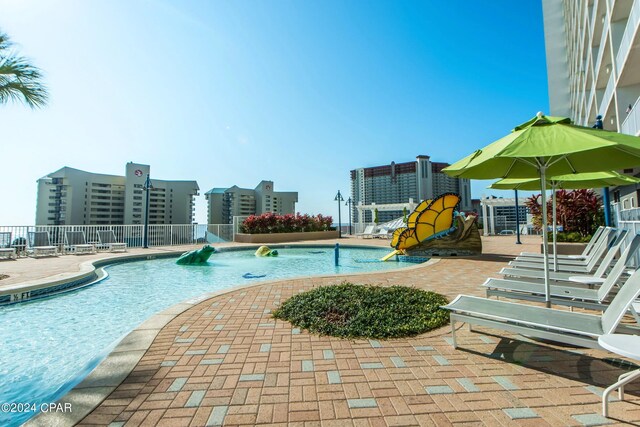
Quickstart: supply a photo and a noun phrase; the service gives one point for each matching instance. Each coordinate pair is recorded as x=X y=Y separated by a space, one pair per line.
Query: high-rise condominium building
x=71 y=196
x=225 y=203
x=593 y=65
x=399 y=182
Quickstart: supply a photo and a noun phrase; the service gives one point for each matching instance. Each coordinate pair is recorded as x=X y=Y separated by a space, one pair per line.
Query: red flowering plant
x=273 y=223
x=577 y=211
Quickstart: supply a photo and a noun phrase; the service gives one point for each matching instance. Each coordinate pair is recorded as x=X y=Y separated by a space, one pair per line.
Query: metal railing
x=627 y=219
x=237 y=221
x=132 y=235
x=625 y=215
x=631 y=124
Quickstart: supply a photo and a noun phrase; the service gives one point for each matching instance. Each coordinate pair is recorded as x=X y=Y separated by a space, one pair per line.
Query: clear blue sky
x=233 y=92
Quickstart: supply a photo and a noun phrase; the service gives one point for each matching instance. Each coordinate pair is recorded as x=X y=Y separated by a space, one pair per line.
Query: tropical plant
x=577 y=211
x=272 y=223
x=375 y=215
x=19 y=80
x=405 y=215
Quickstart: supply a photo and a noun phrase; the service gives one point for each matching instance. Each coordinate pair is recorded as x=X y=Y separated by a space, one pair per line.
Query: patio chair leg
x=622 y=380
x=453 y=334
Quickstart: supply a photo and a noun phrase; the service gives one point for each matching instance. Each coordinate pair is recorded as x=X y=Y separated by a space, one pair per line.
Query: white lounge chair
x=572 y=296
x=383 y=233
x=587 y=250
x=582 y=267
x=40 y=244
x=6 y=251
x=108 y=239
x=528 y=274
x=77 y=242
x=368 y=232
x=608 y=236
x=563 y=326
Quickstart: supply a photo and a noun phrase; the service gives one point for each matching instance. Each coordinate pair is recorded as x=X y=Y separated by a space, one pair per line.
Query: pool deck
x=224 y=361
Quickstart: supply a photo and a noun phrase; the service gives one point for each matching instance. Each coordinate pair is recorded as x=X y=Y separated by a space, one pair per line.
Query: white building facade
x=225 y=203
x=71 y=196
x=498 y=214
x=593 y=65
x=398 y=183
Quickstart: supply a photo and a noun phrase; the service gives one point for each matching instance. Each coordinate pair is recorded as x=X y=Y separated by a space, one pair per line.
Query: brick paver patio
x=225 y=361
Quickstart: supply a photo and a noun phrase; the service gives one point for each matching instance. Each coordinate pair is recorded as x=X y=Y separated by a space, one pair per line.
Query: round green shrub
x=364 y=311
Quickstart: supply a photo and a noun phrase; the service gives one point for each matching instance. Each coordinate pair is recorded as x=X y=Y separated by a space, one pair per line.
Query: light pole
x=147 y=187
x=339 y=199
x=517 y=222
x=349 y=203
x=607 y=203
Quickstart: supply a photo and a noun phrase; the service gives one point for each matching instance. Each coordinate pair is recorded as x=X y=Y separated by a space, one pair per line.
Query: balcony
x=629 y=33
x=631 y=125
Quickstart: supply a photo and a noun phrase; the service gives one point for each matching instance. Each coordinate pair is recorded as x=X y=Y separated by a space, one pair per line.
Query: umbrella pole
x=555 y=229
x=545 y=247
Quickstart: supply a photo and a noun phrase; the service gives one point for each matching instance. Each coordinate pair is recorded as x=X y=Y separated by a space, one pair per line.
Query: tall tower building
x=399 y=182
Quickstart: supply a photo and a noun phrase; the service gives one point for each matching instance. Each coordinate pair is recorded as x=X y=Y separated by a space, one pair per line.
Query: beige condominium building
x=593 y=65
x=398 y=182
x=225 y=203
x=71 y=196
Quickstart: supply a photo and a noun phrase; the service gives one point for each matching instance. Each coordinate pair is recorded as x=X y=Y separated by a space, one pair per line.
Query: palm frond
x=33 y=96
x=5 y=41
x=21 y=81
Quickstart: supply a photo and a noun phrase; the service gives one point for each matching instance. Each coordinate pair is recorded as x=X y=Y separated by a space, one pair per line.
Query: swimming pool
x=51 y=344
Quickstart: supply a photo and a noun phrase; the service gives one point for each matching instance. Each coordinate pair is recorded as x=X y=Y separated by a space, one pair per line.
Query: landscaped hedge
x=272 y=223
x=572 y=237
x=363 y=311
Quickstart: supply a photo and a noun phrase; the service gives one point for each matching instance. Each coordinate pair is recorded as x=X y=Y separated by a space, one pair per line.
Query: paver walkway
x=225 y=361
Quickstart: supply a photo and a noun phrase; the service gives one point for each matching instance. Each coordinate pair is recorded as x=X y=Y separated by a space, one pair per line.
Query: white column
x=485 y=218
x=492 y=223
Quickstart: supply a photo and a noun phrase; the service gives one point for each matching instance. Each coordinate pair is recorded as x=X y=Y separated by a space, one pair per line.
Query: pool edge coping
x=105 y=378
x=91 y=272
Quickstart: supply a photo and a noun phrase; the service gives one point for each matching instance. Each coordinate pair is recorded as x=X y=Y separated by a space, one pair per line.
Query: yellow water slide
x=430 y=219
x=389 y=255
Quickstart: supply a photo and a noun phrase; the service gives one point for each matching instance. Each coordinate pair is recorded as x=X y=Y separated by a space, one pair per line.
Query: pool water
x=49 y=345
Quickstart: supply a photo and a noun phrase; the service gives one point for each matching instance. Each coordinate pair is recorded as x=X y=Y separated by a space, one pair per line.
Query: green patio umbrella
x=566 y=182
x=549 y=146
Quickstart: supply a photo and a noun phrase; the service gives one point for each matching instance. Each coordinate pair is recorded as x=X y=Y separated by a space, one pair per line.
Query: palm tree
x=19 y=80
